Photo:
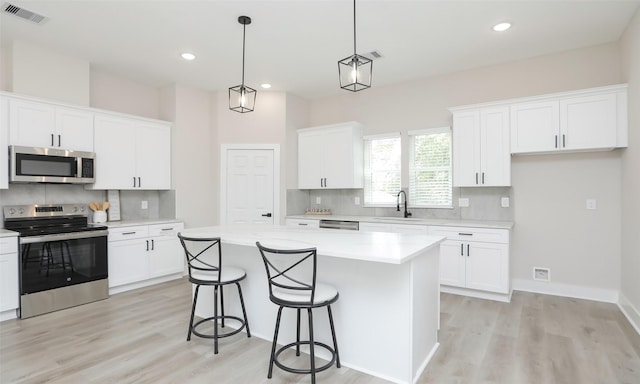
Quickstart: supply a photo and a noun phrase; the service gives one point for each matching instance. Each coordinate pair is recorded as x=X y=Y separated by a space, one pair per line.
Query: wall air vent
x=24 y=14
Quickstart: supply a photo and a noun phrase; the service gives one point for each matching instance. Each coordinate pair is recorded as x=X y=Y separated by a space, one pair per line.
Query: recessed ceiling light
x=265 y=85
x=188 y=56
x=500 y=27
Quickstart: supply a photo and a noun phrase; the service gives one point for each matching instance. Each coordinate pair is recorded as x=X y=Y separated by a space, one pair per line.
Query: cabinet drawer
x=128 y=233
x=303 y=223
x=8 y=245
x=488 y=235
x=168 y=229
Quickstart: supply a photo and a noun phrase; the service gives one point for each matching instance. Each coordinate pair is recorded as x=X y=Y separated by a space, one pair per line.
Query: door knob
x=267 y=214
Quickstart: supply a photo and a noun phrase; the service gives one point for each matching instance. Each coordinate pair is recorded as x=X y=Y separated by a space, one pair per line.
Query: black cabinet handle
x=153 y=244
x=476 y=177
x=52 y=143
x=59 y=141
x=267 y=214
x=461 y=249
x=134 y=181
x=139 y=182
x=564 y=144
x=465 y=234
x=147 y=244
x=482 y=178
x=468 y=253
x=556 y=141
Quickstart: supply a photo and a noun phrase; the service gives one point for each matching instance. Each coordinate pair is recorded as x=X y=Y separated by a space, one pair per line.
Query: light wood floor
x=140 y=337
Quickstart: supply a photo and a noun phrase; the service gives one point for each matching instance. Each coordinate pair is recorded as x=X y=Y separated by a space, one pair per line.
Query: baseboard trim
x=566 y=290
x=424 y=364
x=8 y=315
x=630 y=312
x=504 y=297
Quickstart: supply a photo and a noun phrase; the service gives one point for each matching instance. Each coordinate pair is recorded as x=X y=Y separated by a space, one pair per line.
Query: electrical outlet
x=541 y=274
x=357 y=200
x=144 y=204
x=318 y=200
x=591 y=204
x=463 y=202
x=504 y=202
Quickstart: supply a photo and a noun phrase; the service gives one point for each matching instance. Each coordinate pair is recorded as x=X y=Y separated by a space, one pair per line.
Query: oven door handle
x=63 y=236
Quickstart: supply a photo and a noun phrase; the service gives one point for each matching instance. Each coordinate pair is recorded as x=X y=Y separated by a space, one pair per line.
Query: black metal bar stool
x=291 y=274
x=204 y=260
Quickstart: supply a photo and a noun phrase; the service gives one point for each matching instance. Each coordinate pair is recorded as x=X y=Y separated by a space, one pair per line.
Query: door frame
x=224 y=149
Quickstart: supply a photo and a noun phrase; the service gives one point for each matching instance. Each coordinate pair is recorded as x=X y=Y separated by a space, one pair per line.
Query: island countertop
x=390 y=248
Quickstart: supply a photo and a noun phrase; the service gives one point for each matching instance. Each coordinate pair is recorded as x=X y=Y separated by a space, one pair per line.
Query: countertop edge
x=415 y=221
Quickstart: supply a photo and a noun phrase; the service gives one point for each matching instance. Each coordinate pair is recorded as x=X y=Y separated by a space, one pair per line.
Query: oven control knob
x=81 y=209
x=12 y=211
x=21 y=211
x=75 y=209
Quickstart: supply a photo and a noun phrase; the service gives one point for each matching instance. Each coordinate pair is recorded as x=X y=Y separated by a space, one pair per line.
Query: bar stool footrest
x=300 y=370
x=226 y=334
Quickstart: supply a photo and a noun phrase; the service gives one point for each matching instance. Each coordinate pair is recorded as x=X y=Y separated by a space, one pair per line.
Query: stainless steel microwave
x=50 y=165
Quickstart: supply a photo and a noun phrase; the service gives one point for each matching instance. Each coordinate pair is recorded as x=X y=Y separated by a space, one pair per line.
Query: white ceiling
x=295 y=44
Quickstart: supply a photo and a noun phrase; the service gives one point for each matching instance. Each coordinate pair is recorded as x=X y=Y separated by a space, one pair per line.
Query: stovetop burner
x=34 y=220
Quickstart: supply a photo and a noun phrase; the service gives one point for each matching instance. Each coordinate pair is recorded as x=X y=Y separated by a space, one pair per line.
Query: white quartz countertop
x=412 y=220
x=7 y=233
x=391 y=248
x=132 y=223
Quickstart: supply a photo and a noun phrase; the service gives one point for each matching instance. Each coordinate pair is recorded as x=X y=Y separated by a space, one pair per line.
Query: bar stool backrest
x=291 y=274
x=196 y=250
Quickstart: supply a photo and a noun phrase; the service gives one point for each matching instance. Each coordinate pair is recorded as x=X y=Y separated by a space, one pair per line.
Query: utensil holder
x=99 y=217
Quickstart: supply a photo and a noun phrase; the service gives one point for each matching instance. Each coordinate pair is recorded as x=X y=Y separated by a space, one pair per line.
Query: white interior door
x=250 y=186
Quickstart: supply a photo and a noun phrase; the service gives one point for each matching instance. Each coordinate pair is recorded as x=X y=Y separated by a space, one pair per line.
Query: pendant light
x=355 y=71
x=242 y=98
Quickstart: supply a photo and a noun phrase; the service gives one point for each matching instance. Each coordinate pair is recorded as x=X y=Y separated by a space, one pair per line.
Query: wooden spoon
x=105 y=205
x=94 y=206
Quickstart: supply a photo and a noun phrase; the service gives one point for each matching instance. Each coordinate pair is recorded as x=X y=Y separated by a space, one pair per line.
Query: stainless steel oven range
x=63 y=259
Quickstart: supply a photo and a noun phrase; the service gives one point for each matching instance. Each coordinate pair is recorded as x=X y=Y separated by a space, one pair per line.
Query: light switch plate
x=357 y=200
x=591 y=204
x=463 y=202
x=504 y=202
x=144 y=204
x=318 y=200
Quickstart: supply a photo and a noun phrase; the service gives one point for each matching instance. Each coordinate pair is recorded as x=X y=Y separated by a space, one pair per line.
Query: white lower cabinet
x=474 y=258
x=9 y=291
x=140 y=253
x=303 y=223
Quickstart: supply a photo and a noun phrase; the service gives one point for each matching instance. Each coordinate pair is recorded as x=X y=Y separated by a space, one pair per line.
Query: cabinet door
x=488 y=267
x=31 y=123
x=115 y=149
x=452 y=263
x=74 y=129
x=4 y=140
x=340 y=160
x=588 y=122
x=466 y=149
x=9 y=290
x=153 y=155
x=166 y=256
x=310 y=153
x=535 y=127
x=495 y=155
x=128 y=261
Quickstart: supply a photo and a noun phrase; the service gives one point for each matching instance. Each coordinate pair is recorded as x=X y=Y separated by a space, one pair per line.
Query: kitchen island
x=387 y=316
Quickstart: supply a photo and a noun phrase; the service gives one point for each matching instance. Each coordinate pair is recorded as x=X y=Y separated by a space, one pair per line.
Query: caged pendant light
x=242 y=98
x=355 y=71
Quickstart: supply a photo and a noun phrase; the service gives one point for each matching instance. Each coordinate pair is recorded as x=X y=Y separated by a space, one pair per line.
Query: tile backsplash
x=161 y=204
x=484 y=204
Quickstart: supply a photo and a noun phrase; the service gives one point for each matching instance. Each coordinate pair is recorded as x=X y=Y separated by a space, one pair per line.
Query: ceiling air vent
x=373 y=55
x=23 y=13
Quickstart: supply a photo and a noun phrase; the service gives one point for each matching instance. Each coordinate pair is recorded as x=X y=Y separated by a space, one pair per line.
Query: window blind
x=382 y=169
x=430 y=181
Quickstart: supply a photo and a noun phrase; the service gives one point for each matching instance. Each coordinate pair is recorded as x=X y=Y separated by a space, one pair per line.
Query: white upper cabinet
x=481 y=155
x=592 y=119
x=132 y=153
x=330 y=157
x=40 y=124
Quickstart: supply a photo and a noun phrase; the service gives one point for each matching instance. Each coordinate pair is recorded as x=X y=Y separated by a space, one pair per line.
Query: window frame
x=369 y=138
x=411 y=164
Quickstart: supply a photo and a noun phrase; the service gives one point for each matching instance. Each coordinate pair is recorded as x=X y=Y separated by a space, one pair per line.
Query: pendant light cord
x=244 y=30
x=354 y=28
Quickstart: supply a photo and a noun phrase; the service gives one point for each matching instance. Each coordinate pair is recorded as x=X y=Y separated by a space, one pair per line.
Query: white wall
x=552 y=227
x=37 y=71
x=630 y=286
x=114 y=93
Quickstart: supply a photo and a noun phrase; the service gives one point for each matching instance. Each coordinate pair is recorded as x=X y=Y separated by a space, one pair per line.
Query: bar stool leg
x=222 y=304
x=333 y=335
x=215 y=320
x=244 y=312
x=275 y=341
x=312 y=347
x=298 y=334
x=193 y=312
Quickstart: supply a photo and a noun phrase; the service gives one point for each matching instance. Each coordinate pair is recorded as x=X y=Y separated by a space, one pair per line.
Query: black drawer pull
x=129 y=233
x=465 y=234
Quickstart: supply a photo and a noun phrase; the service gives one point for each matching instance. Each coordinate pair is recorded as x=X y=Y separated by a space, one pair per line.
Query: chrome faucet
x=406 y=213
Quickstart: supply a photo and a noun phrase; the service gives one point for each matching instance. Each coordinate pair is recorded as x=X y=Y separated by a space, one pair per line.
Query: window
x=381 y=169
x=430 y=168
